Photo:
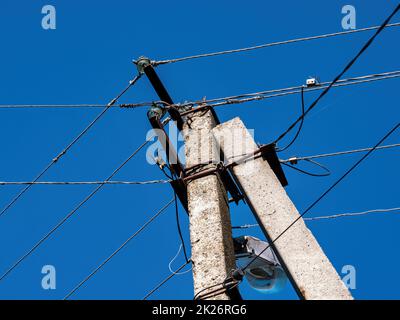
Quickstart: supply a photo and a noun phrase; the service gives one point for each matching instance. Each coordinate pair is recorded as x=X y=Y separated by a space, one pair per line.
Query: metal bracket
x=145 y=66
x=268 y=153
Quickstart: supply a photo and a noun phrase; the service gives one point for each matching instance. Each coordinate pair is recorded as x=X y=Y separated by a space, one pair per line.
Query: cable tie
x=59 y=156
x=112 y=102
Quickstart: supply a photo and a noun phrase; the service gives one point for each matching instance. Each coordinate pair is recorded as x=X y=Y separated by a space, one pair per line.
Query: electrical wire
x=70 y=214
x=71 y=106
x=179 y=227
x=323 y=195
x=166 y=280
x=208 y=55
x=69 y=146
x=246 y=226
x=217 y=292
x=264 y=95
x=340 y=153
x=172 y=176
x=11 y=183
x=346 y=68
x=53 y=106
x=318 y=86
x=172 y=261
x=213 y=54
x=300 y=126
x=148 y=222
x=353 y=214
x=225 y=286
x=334 y=216
x=199 y=295
x=238 y=99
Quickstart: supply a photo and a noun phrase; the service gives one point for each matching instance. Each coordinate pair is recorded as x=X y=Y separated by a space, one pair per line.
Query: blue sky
x=87 y=59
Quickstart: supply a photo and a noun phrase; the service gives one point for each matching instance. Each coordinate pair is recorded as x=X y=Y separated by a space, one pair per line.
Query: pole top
x=156 y=111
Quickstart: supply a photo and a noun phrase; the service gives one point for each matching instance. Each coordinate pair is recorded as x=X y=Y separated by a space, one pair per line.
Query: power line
x=346 y=68
x=158 y=213
x=11 y=183
x=334 y=216
x=69 y=215
x=353 y=214
x=326 y=172
x=300 y=126
x=266 y=45
x=263 y=95
x=51 y=106
x=340 y=153
x=69 y=106
x=178 y=224
x=318 y=87
x=69 y=146
x=166 y=280
x=323 y=195
x=226 y=286
x=310 y=108
x=236 y=99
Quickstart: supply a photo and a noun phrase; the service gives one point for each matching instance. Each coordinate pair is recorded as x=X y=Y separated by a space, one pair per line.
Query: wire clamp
x=142 y=62
x=59 y=156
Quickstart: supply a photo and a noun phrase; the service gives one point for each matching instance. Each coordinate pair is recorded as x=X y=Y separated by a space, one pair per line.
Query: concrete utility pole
x=210 y=226
x=309 y=270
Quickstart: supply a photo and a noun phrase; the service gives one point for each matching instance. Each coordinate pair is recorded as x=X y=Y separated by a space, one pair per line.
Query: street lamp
x=265 y=273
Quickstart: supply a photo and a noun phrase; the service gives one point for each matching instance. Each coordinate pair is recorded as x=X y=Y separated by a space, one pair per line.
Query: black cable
x=327 y=171
x=226 y=289
x=226 y=286
x=327 y=191
x=337 y=78
x=301 y=123
x=172 y=176
x=179 y=227
x=169 y=176
x=281 y=93
x=79 y=183
x=198 y=295
x=171 y=173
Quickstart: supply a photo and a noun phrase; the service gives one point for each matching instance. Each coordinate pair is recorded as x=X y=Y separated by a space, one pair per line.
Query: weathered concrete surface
x=312 y=272
x=210 y=226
